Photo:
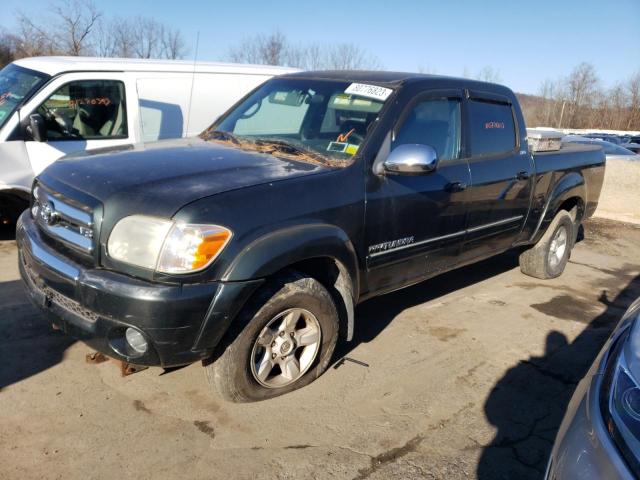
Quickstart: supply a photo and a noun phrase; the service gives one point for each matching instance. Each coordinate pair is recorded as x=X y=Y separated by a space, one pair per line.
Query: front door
x=80 y=114
x=414 y=223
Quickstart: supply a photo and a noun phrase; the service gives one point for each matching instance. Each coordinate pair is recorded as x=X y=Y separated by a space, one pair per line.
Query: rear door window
x=492 y=128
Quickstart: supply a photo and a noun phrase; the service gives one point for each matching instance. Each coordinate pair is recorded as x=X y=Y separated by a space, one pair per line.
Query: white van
x=53 y=106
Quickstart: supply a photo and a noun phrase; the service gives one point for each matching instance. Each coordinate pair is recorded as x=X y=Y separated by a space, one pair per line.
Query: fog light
x=136 y=340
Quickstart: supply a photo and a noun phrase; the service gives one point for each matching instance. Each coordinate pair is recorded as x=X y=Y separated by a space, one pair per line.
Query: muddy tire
x=548 y=258
x=282 y=340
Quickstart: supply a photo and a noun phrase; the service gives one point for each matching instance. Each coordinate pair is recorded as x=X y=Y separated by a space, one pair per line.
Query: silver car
x=599 y=437
x=611 y=150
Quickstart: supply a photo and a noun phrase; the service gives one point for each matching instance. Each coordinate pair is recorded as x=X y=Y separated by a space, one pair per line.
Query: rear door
x=501 y=175
x=415 y=224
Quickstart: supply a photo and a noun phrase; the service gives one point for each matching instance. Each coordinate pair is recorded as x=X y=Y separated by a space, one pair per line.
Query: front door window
x=86 y=110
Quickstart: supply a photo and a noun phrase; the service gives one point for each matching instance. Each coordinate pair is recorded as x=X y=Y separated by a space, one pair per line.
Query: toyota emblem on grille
x=48 y=214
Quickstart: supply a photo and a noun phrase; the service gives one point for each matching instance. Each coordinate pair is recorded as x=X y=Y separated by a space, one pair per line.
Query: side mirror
x=37 y=128
x=412 y=159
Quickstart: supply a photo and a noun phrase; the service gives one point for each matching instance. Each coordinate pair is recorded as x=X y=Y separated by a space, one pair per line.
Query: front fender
x=279 y=249
x=266 y=256
x=571 y=185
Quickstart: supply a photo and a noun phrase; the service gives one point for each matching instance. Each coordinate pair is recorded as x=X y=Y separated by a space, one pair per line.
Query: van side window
x=492 y=128
x=434 y=122
x=85 y=110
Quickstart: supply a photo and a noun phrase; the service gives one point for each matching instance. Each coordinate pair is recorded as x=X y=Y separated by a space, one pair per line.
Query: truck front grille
x=63 y=220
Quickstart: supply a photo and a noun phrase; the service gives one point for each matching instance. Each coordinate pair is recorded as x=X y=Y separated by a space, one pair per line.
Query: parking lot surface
x=466 y=375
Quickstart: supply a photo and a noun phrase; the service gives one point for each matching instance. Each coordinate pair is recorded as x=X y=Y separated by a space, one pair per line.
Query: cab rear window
x=492 y=128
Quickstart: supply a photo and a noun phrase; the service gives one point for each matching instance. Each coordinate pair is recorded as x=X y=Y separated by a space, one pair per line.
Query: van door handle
x=455 y=187
x=523 y=175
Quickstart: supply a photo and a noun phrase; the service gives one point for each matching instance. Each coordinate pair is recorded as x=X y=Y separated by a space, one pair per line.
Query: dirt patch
x=389 y=456
x=444 y=334
x=205 y=427
x=140 y=406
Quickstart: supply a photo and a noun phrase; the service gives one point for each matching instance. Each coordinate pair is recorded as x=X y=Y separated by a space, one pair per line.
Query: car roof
x=56 y=65
x=393 y=79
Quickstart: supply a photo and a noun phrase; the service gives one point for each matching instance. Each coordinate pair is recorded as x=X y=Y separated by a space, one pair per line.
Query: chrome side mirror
x=411 y=159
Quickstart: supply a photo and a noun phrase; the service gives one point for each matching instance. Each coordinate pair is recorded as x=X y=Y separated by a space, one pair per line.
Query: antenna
x=193 y=79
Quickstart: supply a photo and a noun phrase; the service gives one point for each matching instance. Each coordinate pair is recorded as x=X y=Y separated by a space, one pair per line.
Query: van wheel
x=549 y=257
x=282 y=340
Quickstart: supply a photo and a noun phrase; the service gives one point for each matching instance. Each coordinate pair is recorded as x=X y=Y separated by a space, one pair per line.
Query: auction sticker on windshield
x=370 y=91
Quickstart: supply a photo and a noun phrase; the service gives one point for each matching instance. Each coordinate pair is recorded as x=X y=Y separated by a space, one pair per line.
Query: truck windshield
x=17 y=84
x=319 y=121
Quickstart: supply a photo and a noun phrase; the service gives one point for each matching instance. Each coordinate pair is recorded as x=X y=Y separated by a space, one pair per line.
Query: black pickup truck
x=249 y=247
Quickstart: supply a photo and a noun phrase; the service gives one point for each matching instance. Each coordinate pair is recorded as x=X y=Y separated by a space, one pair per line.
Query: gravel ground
x=468 y=376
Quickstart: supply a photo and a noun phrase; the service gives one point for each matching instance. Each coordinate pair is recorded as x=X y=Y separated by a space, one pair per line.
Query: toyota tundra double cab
x=249 y=247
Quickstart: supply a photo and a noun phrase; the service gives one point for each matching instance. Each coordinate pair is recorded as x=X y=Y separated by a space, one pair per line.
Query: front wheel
x=282 y=340
x=549 y=257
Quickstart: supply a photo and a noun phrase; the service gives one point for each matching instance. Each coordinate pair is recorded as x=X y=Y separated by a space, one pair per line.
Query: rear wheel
x=548 y=258
x=282 y=340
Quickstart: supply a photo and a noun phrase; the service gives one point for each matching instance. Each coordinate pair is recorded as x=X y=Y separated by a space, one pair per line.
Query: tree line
x=580 y=101
x=276 y=49
x=78 y=27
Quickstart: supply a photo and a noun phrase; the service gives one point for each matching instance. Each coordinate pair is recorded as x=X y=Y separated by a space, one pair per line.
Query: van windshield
x=318 y=121
x=17 y=84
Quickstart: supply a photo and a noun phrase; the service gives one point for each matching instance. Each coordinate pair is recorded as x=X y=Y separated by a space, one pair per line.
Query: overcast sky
x=527 y=42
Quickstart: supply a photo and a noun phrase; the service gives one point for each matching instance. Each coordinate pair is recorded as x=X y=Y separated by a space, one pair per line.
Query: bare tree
x=271 y=49
x=274 y=49
x=429 y=70
x=79 y=28
x=173 y=46
x=75 y=21
x=348 y=56
x=114 y=38
x=581 y=86
x=8 y=48
x=633 y=92
x=139 y=37
x=578 y=101
x=488 y=74
x=32 y=40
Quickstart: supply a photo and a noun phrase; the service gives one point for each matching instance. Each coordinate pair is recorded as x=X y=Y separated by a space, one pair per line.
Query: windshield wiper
x=220 y=135
x=288 y=148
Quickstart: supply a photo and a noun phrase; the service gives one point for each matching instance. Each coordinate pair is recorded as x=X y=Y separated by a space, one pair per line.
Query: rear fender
x=571 y=185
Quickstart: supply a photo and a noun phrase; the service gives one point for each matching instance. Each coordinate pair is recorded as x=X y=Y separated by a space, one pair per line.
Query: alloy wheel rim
x=286 y=348
x=558 y=247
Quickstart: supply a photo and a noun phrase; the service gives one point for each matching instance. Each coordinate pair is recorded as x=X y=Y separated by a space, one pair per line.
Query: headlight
x=166 y=246
x=623 y=402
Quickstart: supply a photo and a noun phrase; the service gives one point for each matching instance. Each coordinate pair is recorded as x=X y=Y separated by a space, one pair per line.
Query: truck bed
x=588 y=160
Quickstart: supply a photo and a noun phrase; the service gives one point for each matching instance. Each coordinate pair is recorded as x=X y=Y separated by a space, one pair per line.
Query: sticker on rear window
x=369 y=91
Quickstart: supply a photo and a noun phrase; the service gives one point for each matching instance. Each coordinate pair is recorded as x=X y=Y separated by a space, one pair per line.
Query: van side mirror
x=411 y=159
x=37 y=128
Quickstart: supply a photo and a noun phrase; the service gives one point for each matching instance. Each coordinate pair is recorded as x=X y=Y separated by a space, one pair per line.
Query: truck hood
x=160 y=178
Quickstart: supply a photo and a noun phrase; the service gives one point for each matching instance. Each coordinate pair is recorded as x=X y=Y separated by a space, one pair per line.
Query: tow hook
x=126 y=368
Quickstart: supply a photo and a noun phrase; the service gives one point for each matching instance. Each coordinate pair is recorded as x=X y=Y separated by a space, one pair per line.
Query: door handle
x=523 y=175
x=455 y=187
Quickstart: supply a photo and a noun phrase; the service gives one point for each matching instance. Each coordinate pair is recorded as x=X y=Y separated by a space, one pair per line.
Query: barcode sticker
x=370 y=91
